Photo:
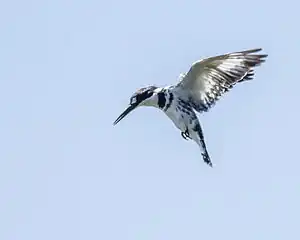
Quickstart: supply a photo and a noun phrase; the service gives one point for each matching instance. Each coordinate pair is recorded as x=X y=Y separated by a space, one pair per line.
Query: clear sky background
x=67 y=70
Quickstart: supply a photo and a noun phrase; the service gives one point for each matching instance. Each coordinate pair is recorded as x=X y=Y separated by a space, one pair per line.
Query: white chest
x=179 y=118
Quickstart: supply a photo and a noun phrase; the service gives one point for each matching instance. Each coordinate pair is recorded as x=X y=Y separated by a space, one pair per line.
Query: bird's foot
x=183 y=135
x=186 y=135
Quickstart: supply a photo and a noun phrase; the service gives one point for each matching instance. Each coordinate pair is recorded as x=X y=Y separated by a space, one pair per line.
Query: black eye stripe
x=147 y=94
x=141 y=97
x=142 y=94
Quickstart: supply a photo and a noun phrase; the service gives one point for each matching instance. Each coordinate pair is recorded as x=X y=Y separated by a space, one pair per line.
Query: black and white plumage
x=197 y=91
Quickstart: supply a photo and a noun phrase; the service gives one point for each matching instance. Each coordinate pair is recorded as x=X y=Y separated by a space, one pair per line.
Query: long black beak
x=128 y=110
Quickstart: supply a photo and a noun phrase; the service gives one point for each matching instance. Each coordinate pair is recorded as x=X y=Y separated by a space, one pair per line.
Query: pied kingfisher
x=197 y=91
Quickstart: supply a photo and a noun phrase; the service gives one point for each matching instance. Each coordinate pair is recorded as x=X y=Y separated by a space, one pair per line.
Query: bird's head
x=145 y=96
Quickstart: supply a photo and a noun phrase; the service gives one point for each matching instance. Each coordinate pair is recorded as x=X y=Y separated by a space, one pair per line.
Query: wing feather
x=208 y=79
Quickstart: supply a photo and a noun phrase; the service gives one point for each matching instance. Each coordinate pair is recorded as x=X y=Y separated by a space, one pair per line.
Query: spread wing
x=209 y=78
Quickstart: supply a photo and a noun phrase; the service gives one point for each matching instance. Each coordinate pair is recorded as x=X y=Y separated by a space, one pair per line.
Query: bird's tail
x=198 y=137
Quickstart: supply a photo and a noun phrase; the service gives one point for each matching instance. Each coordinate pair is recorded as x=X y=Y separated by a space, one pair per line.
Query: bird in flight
x=197 y=91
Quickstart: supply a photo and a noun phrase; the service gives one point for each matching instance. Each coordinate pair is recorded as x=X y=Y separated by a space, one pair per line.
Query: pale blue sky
x=67 y=71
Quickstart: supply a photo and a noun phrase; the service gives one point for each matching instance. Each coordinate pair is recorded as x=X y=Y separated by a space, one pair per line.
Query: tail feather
x=198 y=137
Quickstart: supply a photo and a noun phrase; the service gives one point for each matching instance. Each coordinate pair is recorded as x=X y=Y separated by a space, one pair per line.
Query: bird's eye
x=133 y=100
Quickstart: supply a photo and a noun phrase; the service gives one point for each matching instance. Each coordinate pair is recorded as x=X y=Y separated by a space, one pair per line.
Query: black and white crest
x=142 y=94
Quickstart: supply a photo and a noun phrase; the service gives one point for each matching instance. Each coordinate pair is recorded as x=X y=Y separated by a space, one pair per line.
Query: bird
x=197 y=91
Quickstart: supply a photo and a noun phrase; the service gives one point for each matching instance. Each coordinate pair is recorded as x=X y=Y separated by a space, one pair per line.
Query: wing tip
x=248 y=51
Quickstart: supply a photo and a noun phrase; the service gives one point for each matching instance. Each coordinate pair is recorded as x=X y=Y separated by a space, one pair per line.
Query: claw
x=183 y=134
x=186 y=135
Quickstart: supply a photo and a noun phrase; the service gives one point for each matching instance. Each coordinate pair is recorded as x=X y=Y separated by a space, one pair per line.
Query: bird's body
x=197 y=91
x=182 y=115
